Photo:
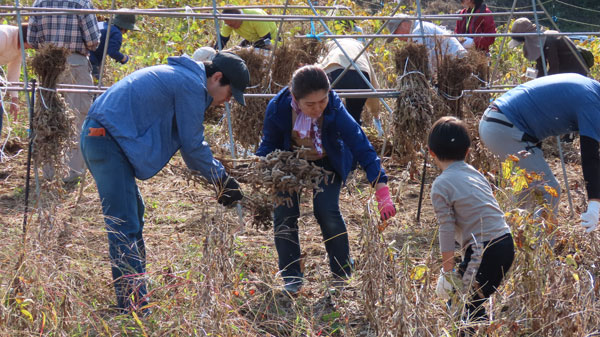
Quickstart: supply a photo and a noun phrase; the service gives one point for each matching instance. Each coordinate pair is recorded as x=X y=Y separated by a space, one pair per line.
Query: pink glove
x=384 y=203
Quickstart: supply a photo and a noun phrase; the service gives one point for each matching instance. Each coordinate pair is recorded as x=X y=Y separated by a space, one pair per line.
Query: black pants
x=351 y=80
x=497 y=257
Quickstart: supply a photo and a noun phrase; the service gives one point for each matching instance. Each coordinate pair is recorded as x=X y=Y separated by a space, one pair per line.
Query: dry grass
x=207 y=277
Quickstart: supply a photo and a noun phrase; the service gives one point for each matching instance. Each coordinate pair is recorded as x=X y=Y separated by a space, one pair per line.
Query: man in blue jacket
x=121 y=24
x=134 y=129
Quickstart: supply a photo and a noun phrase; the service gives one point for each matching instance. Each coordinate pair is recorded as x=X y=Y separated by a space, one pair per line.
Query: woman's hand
x=384 y=201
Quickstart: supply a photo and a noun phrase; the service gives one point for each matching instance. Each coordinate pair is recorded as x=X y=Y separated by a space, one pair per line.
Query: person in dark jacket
x=121 y=24
x=476 y=25
x=560 y=52
x=310 y=114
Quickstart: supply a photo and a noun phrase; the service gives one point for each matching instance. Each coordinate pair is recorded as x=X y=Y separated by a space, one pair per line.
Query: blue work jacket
x=342 y=138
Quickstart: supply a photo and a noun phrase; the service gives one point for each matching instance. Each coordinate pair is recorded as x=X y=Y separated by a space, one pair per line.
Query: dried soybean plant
x=271 y=179
x=282 y=173
x=414 y=110
x=53 y=125
x=451 y=75
x=291 y=56
x=247 y=121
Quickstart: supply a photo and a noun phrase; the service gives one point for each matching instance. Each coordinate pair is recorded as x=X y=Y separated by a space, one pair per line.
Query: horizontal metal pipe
x=369 y=36
x=250 y=17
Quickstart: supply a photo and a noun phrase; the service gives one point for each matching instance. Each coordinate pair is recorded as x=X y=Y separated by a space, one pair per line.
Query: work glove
x=446 y=284
x=384 y=203
x=125 y=59
x=229 y=192
x=589 y=219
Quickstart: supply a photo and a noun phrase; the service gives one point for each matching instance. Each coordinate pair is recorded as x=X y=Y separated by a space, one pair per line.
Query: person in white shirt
x=10 y=55
x=446 y=45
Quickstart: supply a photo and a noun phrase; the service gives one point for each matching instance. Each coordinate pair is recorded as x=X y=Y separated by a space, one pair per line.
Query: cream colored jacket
x=335 y=59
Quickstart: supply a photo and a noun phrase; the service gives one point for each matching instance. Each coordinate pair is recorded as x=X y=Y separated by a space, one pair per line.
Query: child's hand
x=447 y=283
x=384 y=203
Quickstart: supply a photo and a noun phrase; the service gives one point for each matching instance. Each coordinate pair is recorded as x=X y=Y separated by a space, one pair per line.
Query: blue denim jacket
x=343 y=139
x=156 y=111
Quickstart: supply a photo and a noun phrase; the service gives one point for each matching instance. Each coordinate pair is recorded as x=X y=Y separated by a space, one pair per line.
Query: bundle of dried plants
x=414 y=110
x=53 y=126
x=247 y=121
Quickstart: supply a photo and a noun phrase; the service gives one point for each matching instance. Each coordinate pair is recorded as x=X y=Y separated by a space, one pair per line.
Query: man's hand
x=589 y=219
x=229 y=192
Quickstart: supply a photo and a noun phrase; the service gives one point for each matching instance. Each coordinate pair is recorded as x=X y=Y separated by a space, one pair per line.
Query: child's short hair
x=449 y=139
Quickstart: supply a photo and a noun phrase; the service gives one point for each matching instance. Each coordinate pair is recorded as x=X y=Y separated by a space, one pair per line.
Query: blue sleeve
x=273 y=136
x=114 y=44
x=362 y=150
x=190 y=104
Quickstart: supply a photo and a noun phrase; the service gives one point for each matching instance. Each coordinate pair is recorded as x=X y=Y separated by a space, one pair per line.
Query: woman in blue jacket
x=311 y=115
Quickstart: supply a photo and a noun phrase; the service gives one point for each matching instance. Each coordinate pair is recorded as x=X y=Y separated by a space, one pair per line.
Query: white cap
x=204 y=54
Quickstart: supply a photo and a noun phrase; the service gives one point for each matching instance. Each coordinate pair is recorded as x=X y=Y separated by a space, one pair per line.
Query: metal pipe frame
x=30 y=11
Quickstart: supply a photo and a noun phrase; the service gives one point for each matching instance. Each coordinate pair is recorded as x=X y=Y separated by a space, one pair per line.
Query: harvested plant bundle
x=284 y=172
x=414 y=109
x=291 y=56
x=451 y=75
x=247 y=121
x=476 y=103
x=53 y=126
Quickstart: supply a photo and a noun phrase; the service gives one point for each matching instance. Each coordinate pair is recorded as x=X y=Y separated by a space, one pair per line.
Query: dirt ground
x=181 y=217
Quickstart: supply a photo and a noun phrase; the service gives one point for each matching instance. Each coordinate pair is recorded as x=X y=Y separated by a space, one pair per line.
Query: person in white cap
x=10 y=55
x=204 y=54
x=560 y=52
x=447 y=45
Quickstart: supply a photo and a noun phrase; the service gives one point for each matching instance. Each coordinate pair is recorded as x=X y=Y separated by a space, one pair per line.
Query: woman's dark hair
x=211 y=69
x=307 y=80
x=449 y=139
x=24 y=28
x=477 y=3
x=232 y=11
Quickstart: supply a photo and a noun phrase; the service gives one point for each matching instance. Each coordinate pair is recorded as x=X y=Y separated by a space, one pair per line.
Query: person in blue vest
x=554 y=105
x=309 y=114
x=132 y=131
x=122 y=23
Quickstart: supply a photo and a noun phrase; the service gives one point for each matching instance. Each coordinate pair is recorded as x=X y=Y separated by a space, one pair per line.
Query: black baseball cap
x=234 y=68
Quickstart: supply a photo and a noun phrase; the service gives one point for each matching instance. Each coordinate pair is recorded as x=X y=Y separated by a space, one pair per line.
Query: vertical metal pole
x=359 y=72
x=228 y=110
x=102 y=62
x=29 y=150
x=560 y=151
x=512 y=10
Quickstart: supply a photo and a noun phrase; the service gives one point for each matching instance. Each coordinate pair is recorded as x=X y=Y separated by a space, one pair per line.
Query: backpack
x=587 y=56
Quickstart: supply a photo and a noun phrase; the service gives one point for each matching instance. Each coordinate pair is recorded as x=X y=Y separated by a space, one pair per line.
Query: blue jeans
x=327 y=211
x=123 y=209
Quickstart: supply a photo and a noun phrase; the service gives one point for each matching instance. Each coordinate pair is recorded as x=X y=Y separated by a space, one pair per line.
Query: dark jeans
x=498 y=256
x=123 y=209
x=351 y=80
x=327 y=212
